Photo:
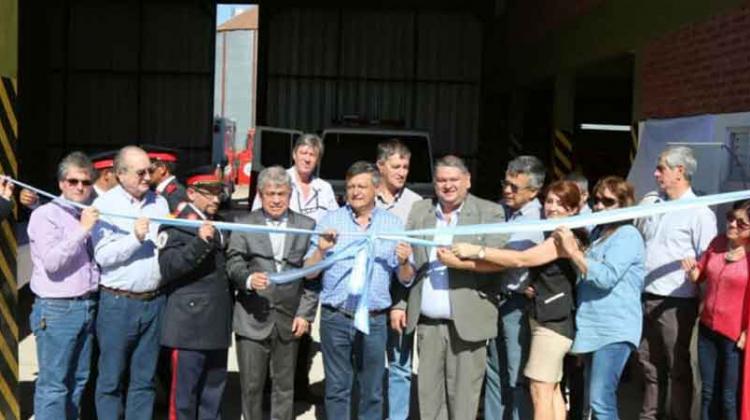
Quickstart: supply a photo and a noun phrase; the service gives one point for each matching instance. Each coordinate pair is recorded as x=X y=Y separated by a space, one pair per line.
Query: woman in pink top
x=721 y=335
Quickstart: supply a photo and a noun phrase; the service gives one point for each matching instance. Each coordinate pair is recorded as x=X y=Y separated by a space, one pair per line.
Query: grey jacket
x=474 y=297
x=257 y=312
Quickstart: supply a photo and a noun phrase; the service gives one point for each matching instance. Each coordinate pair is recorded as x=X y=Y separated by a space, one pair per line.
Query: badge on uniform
x=161 y=240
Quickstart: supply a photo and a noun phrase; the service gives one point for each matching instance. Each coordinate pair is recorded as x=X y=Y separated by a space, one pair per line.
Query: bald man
x=130 y=303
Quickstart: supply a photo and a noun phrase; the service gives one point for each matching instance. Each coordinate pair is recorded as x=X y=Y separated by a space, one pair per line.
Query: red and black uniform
x=197 y=322
x=175 y=194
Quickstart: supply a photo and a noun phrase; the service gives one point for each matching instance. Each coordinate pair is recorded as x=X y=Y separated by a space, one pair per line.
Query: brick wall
x=701 y=68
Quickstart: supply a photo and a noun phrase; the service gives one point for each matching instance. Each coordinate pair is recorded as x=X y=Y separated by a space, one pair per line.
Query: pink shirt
x=726 y=286
x=61 y=252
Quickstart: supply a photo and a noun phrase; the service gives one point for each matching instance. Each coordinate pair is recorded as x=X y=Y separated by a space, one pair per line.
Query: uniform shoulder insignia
x=161 y=240
x=172 y=187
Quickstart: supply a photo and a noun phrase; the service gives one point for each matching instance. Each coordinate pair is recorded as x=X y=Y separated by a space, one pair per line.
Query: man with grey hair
x=313 y=197
x=349 y=354
x=128 y=324
x=506 y=395
x=64 y=280
x=269 y=319
x=393 y=196
x=670 y=299
x=583 y=185
x=456 y=311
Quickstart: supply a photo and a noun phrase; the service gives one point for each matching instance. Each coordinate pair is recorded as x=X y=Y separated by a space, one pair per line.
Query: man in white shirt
x=394 y=197
x=670 y=298
x=311 y=196
x=128 y=323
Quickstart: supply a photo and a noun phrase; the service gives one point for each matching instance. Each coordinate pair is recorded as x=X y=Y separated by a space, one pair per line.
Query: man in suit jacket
x=197 y=321
x=456 y=310
x=269 y=318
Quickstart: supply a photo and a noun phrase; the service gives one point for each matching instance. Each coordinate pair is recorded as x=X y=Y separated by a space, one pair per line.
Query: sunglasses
x=606 y=201
x=73 y=182
x=513 y=187
x=741 y=224
x=142 y=172
x=211 y=192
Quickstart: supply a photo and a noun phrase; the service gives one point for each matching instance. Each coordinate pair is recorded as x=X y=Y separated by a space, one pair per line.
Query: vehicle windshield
x=276 y=147
x=343 y=149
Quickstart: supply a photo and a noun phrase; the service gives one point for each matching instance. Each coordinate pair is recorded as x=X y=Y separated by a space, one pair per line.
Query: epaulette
x=171 y=187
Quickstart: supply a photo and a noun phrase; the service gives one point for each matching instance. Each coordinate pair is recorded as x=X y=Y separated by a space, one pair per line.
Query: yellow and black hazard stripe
x=562 y=154
x=9 y=406
x=634 y=141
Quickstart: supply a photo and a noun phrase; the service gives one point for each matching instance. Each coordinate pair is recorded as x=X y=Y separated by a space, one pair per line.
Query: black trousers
x=198 y=380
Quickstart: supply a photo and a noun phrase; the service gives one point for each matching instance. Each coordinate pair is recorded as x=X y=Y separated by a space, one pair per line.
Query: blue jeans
x=64 y=331
x=719 y=360
x=506 y=396
x=128 y=331
x=349 y=355
x=603 y=370
x=399 y=374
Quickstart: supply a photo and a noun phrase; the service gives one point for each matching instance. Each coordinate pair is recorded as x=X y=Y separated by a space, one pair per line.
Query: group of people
x=516 y=318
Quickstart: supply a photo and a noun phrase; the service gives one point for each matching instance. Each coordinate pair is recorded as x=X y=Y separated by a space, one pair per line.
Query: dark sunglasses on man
x=74 y=182
x=513 y=187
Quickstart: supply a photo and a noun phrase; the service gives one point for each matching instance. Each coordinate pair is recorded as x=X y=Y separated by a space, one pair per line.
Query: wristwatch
x=481 y=253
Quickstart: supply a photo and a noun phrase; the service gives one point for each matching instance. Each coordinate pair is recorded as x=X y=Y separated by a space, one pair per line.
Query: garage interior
x=489 y=79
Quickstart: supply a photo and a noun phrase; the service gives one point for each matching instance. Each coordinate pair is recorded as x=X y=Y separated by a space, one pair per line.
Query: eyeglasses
x=213 y=192
x=142 y=172
x=606 y=201
x=513 y=187
x=741 y=224
x=73 y=182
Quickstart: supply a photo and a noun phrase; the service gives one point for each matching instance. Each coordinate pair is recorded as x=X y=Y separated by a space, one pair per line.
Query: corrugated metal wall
x=103 y=74
x=420 y=67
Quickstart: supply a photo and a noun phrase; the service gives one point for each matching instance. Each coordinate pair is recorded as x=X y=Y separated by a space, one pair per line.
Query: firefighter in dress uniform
x=104 y=164
x=197 y=319
x=163 y=179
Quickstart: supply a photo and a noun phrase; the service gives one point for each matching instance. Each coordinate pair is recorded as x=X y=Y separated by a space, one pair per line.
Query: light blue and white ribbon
x=362 y=249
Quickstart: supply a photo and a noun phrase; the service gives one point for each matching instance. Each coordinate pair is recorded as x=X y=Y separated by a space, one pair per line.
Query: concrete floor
x=629 y=392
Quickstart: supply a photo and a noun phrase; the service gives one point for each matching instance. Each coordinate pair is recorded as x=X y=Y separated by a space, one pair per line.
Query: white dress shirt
x=436 y=301
x=320 y=201
x=669 y=239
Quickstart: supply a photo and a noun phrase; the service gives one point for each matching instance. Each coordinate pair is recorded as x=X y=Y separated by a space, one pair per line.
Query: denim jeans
x=349 y=355
x=399 y=374
x=64 y=331
x=128 y=332
x=506 y=396
x=720 y=361
x=603 y=370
